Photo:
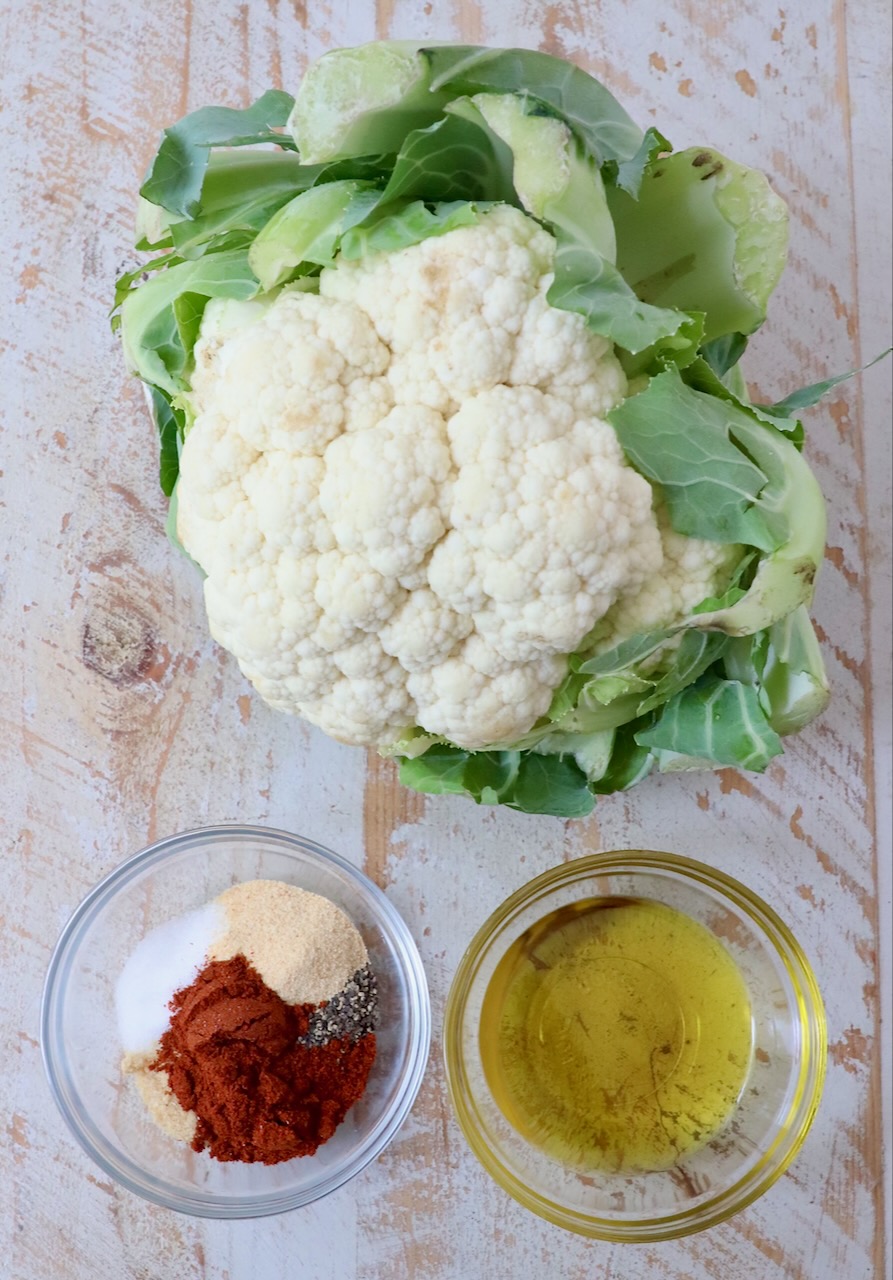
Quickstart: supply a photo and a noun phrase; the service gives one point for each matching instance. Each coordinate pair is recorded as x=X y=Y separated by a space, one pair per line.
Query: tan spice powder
x=300 y=943
x=157 y=1095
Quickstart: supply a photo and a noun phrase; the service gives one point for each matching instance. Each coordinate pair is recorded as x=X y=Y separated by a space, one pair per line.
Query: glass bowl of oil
x=635 y=1046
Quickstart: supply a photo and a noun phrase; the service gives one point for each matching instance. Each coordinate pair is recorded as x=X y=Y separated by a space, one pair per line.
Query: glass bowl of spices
x=635 y=1046
x=235 y=1022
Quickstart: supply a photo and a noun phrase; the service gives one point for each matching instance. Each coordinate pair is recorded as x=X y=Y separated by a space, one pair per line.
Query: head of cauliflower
x=404 y=494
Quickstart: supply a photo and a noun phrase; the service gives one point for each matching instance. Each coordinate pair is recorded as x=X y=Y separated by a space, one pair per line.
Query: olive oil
x=616 y=1035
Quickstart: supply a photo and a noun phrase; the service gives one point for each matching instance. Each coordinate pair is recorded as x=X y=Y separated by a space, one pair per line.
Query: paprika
x=262 y=1087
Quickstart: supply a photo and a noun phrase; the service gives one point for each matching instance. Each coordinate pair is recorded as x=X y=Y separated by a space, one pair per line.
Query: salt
x=166 y=960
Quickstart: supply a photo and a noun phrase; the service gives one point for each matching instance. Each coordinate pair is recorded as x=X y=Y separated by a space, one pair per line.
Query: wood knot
x=119 y=644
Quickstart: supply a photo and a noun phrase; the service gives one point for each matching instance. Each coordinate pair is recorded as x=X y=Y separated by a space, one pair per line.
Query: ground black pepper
x=352 y=1013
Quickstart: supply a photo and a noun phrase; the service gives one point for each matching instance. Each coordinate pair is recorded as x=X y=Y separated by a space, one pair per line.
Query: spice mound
x=249 y=1026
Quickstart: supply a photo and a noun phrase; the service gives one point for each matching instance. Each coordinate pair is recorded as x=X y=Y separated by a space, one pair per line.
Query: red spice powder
x=232 y=1057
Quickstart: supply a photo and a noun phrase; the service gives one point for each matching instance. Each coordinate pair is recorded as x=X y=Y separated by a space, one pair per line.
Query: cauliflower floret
x=312 y=676
x=556 y=352
x=220 y=458
x=485 y=272
x=283 y=489
x=477 y=698
x=467 y=311
x=424 y=631
x=329 y=362
x=350 y=590
x=246 y=614
x=406 y=499
x=548 y=523
x=386 y=489
x=222 y=319
x=364 y=709
x=692 y=570
x=296 y=580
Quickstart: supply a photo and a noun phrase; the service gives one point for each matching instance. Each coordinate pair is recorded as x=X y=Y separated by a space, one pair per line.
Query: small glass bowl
x=82 y=1051
x=777 y=1103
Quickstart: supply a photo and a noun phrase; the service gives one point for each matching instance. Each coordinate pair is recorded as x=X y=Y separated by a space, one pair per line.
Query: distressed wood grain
x=120 y=721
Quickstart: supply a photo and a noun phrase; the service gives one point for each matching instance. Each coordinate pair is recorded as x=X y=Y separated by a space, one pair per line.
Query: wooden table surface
x=122 y=723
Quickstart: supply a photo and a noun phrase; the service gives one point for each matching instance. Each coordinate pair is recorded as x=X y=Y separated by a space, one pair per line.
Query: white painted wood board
x=95 y=767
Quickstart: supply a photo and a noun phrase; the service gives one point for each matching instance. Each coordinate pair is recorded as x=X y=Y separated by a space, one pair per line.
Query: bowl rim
x=810 y=1077
x=244 y=1205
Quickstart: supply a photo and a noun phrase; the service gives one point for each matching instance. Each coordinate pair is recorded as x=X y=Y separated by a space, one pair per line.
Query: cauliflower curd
x=404 y=495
